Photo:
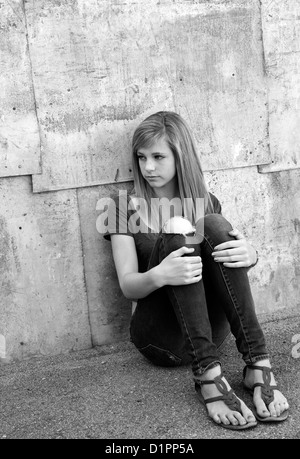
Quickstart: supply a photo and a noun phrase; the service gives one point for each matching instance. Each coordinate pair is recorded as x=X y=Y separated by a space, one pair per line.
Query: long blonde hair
x=171 y=127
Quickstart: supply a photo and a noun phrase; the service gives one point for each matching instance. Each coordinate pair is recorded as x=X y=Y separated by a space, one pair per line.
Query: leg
x=155 y=331
x=190 y=307
x=230 y=287
x=236 y=298
x=232 y=290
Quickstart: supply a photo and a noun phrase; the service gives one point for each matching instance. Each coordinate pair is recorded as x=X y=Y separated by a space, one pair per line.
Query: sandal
x=228 y=397
x=267 y=392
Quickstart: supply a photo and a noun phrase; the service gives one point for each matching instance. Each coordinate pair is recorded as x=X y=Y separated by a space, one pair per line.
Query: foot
x=278 y=405
x=218 y=410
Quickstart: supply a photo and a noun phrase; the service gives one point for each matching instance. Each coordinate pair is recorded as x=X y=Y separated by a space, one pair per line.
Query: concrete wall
x=76 y=78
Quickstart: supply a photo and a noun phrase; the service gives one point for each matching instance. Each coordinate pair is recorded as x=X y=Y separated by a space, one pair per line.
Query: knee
x=217 y=227
x=217 y=221
x=178 y=225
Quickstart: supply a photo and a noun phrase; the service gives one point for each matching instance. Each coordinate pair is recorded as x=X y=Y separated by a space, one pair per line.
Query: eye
x=158 y=157
x=140 y=157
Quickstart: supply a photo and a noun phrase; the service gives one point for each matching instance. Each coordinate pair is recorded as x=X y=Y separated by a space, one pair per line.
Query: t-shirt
x=120 y=218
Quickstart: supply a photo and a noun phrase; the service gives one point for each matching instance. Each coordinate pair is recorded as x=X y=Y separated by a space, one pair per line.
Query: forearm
x=139 y=285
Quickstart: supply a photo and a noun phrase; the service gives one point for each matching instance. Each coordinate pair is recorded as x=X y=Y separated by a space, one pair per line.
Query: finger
x=228 y=245
x=238 y=264
x=195 y=260
x=194 y=280
x=194 y=268
x=236 y=233
x=197 y=272
x=229 y=252
x=231 y=259
x=182 y=251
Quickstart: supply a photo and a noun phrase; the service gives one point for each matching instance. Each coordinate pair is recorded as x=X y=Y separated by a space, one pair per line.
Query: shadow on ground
x=112 y=392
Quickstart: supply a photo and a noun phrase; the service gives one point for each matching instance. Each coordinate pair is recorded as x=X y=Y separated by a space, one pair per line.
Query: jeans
x=183 y=324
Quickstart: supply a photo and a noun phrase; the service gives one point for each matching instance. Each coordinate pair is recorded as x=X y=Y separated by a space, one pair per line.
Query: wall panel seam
x=84 y=271
x=33 y=86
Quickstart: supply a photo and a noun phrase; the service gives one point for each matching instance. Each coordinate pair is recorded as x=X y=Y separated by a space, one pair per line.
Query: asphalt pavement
x=113 y=392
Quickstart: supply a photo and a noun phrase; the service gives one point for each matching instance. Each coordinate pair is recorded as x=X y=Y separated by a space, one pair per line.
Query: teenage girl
x=190 y=292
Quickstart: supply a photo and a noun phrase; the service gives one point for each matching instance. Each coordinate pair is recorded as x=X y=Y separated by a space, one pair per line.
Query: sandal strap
x=257 y=367
x=267 y=389
x=259 y=384
x=228 y=396
x=201 y=382
x=214 y=399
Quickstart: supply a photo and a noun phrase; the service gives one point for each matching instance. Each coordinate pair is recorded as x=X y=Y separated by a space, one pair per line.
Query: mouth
x=151 y=177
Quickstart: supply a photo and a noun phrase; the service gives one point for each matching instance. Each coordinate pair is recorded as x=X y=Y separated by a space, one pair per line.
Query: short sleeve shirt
x=120 y=214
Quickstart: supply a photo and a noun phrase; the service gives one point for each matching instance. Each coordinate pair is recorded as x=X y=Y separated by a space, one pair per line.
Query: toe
x=224 y=419
x=216 y=418
x=241 y=420
x=232 y=419
x=286 y=406
x=251 y=418
x=260 y=405
x=247 y=414
x=272 y=409
x=262 y=409
x=278 y=409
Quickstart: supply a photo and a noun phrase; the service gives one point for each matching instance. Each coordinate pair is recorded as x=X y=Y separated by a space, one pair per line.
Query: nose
x=149 y=166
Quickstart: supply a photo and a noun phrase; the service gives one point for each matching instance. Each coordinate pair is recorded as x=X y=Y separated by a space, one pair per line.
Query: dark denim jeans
x=186 y=324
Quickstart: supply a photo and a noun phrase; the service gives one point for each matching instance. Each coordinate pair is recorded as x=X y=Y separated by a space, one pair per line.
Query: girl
x=189 y=276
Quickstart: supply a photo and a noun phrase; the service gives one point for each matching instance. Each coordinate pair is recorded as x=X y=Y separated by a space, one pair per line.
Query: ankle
x=211 y=373
x=262 y=363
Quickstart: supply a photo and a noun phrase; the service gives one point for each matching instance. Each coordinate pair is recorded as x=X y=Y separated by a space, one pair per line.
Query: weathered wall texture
x=204 y=61
x=281 y=32
x=266 y=208
x=19 y=133
x=43 y=298
x=76 y=78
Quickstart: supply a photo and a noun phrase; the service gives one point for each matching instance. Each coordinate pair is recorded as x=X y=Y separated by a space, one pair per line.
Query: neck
x=170 y=191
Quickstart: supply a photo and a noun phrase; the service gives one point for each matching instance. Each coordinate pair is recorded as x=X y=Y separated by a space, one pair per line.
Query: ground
x=112 y=392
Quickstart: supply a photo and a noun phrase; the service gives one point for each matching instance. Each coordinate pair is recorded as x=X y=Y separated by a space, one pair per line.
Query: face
x=157 y=165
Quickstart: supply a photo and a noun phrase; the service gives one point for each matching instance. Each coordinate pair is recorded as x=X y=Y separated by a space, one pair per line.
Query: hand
x=177 y=269
x=237 y=253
